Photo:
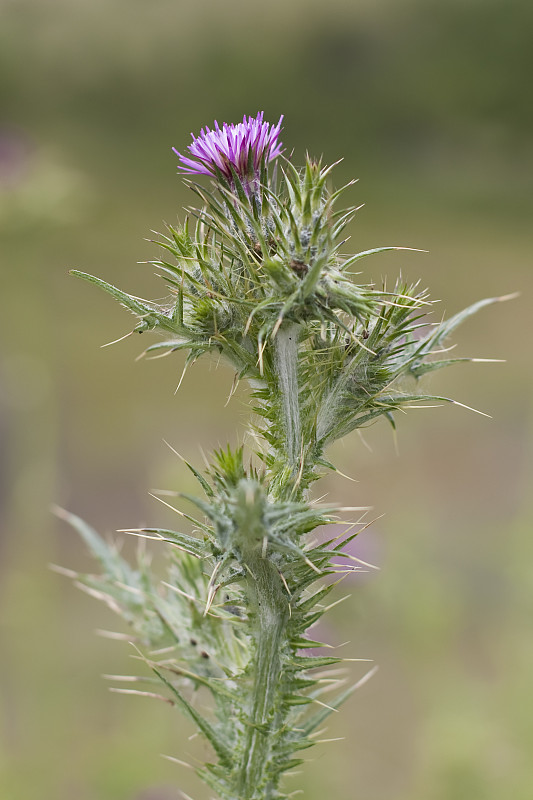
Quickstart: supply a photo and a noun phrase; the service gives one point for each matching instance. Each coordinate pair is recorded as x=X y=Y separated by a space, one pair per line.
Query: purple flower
x=239 y=149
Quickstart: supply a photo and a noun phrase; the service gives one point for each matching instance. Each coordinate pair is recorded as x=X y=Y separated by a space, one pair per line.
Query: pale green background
x=429 y=102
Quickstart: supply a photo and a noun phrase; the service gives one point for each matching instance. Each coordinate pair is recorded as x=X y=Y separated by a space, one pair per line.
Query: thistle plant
x=256 y=275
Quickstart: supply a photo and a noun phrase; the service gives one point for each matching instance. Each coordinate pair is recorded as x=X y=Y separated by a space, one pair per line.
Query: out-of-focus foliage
x=429 y=104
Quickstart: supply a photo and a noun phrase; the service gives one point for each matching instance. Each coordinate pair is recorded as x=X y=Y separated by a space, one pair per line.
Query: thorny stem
x=270 y=606
x=269 y=603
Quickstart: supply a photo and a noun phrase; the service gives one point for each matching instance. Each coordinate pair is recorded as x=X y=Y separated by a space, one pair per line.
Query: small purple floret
x=241 y=147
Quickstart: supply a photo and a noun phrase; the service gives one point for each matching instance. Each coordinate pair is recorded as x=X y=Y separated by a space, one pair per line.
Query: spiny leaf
x=320 y=716
x=189 y=544
x=449 y=325
x=133 y=303
x=114 y=565
x=352 y=259
x=222 y=751
x=431 y=366
x=314 y=662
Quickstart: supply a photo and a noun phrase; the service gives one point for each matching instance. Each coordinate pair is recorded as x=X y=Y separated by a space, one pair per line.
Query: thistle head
x=233 y=150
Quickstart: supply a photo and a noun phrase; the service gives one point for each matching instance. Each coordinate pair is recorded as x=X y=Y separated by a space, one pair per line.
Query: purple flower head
x=239 y=148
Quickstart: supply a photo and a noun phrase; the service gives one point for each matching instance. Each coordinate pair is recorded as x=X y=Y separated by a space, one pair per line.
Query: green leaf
x=430 y=366
x=187 y=543
x=297 y=700
x=205 y=727
x=315 y=662
x=133 y=303
x=449 y=325
x=150 y=314
x=352 y=259
x=318 y=718
x=113 y=564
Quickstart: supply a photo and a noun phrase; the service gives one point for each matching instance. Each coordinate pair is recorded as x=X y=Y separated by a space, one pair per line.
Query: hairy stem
x=269 y=604
x=286 y=365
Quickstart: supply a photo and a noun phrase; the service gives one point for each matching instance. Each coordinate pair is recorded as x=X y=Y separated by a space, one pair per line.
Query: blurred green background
x=429 y=103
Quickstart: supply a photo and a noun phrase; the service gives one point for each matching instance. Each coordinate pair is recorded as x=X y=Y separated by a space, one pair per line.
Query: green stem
x=269 y=604
x=286 y=365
